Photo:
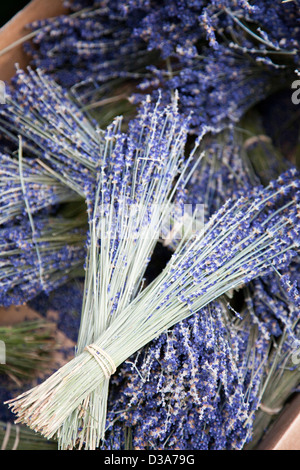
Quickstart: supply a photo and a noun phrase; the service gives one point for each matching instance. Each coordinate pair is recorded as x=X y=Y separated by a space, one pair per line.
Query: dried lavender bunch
x=224 y=171
x=251 y=53
x=93 y=45
x=225 y=404
x=245 y=239
x=194 y=387
x=41 y=248
x=132 y=176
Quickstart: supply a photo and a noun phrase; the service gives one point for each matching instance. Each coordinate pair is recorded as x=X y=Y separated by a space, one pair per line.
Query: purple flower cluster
x=53 y=128
x=222 y=56
x=42 y=191
x=41 y=261
x=51 y=167
x=192 y=388
x=92 y=45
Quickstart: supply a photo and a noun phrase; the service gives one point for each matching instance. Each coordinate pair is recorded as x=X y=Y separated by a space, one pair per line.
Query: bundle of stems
x=245 y=239
x=28 y=348
x=132 y=202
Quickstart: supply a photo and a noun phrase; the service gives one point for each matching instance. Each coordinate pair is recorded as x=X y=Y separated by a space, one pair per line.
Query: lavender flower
x=92 y=45
x=42 y=190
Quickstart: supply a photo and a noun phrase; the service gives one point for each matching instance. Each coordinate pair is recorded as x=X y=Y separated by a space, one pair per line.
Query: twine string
x=9 y=427
x=6 y=436
x=103 y=359
x=270 y=411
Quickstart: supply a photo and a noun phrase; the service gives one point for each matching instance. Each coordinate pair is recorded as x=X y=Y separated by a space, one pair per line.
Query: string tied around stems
x=103 y=359
x=5 y=442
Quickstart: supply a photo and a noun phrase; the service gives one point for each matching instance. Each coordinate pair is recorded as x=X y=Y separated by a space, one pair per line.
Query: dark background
x=10 y=8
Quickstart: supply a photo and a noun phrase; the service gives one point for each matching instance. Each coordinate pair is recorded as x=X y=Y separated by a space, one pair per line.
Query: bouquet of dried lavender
x=243 y=240
x=56 y=136
x=35 y=253
x=201 y=399
x=202 y=378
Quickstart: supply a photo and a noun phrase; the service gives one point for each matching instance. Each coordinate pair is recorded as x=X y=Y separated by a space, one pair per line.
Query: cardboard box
x=285 y=433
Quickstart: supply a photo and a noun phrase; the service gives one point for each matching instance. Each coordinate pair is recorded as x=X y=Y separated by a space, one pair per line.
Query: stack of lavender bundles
x=222 y=56
x=246 y=238
x=201 y=369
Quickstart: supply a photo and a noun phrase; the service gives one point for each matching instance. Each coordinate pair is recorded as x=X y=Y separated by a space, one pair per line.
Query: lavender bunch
x=194 y=387
x=42 y=246
x=40 y=252
x=54 y=131
x=273 y=31
x=246 y=60
x=133 y=176
x=245 y=239
x=90 y=47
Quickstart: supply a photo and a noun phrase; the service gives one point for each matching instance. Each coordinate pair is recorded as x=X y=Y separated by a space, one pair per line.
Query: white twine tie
x=103 y=359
